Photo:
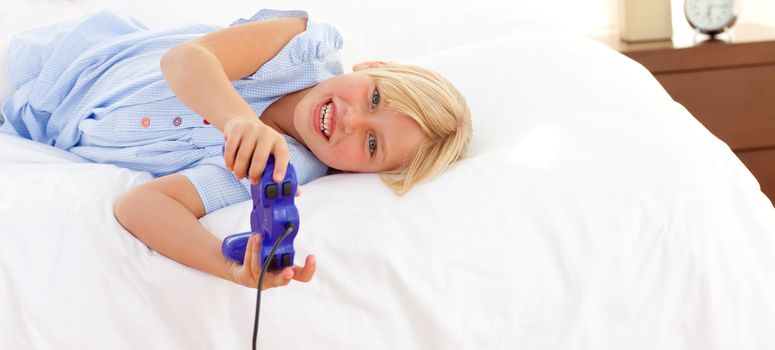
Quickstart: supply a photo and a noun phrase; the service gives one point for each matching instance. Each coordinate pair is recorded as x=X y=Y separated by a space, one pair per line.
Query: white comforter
x=593 y=213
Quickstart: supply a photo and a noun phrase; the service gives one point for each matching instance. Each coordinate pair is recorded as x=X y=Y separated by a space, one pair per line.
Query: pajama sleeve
x=219 y=188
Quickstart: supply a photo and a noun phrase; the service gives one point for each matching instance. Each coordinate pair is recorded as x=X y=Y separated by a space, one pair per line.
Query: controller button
x=273 y=261
x=286 y=259
x=270 y=191
x=286 y=189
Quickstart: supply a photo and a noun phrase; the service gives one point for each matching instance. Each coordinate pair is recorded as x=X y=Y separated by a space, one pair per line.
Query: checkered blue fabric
x=94 y=87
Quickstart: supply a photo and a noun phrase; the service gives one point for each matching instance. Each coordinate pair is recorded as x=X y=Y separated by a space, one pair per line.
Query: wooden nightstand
x=728 y=86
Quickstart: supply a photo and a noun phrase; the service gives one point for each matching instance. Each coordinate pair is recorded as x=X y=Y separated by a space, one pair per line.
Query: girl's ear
x=367 y=65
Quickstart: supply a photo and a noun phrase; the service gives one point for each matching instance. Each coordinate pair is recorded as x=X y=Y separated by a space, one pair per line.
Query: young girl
x=168 y=102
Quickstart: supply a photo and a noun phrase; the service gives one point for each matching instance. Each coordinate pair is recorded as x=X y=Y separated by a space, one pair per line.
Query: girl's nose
x=353 y=121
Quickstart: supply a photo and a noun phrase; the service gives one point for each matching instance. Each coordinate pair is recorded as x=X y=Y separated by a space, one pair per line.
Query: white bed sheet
x=593 y=213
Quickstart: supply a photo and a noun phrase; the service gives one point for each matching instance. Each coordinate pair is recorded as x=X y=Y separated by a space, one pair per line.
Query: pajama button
x=177 y=121
x=145 y=122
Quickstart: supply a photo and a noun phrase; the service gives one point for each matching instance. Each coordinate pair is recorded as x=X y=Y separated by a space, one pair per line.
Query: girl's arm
x=200 y=71
x=164 y=214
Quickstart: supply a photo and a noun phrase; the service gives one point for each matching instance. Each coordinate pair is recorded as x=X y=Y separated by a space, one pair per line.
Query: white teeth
x=324 y=119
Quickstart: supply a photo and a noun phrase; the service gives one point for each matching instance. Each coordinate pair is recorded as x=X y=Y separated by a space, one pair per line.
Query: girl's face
x=345 y=123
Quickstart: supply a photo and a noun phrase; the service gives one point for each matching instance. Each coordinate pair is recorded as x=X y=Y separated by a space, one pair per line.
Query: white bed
x=593 y=213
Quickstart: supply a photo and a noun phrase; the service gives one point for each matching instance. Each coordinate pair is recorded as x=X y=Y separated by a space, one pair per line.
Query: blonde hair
x=439 y=108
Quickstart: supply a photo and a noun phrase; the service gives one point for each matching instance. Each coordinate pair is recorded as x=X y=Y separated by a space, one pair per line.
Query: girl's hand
x=249 y=272
x=249 y=142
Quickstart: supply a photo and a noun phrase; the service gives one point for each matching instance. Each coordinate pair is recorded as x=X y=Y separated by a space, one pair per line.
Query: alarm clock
x=711 y=16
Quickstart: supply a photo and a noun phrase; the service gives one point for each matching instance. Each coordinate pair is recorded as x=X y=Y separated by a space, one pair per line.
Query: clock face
x=710 y=16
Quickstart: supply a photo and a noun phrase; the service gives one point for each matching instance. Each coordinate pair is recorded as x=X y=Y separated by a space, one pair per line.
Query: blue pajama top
x=94 y=88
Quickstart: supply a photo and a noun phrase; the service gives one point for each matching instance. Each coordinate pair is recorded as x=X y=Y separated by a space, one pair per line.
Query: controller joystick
x=273 y=213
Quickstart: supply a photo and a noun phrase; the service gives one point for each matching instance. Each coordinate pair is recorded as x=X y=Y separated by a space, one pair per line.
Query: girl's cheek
x=346 y=158
x=345 y=152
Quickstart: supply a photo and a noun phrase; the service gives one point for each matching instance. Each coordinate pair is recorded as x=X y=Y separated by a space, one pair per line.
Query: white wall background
x=579 y=15
x=594 y=15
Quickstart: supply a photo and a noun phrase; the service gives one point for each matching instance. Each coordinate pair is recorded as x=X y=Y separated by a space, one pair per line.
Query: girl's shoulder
x=318 y=41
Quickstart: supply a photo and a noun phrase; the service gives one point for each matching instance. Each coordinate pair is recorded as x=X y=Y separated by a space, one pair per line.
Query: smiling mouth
x=326 y=119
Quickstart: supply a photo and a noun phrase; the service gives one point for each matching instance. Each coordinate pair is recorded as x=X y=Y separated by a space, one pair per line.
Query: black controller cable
x=288 y=231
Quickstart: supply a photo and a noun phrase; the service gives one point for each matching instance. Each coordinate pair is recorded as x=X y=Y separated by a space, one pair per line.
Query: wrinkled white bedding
x=593 y=213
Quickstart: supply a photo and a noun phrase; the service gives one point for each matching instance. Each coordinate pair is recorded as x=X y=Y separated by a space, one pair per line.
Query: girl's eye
x=374 y=99
x=372 y=144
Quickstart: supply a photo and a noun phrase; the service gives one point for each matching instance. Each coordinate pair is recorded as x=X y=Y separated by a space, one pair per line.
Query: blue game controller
x=273 y=213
